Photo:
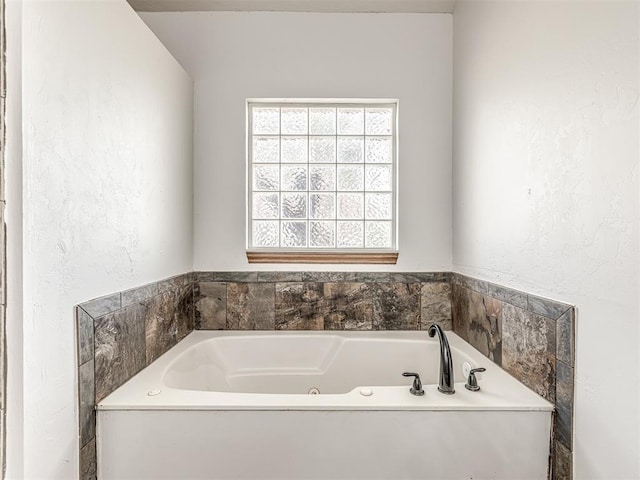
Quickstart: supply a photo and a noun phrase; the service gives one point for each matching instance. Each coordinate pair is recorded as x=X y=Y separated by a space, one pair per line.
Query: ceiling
x=346 y=6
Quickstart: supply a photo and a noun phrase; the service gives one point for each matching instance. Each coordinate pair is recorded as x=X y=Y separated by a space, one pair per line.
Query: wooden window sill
x=323 y=257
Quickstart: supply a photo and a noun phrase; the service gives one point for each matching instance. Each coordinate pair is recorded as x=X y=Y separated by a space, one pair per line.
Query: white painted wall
x=106 y=191
x=546 y=192
x=233 y=56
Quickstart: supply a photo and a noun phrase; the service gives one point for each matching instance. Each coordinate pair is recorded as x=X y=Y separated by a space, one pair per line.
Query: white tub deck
x=197 y=428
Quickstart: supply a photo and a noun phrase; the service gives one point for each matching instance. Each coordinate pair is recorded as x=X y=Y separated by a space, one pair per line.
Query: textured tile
x=347 y=306
x=413 y=277
x=84 y=332
x=565 y=331
x=564 y=404
x=176 y=282
x=435 y=305
x=88 y=461
x=211 y=305
x=299 y=306
x=436 y=277
x=102 y=306
x=139 y=294
x=279 y=276
x=329 y=277
x=528 y=349
x=459 y=308
x=119 y=349
x=250 y=306
x=376 y=277
x=474 y=284
x=507 y=295
x=478 y=320
x=485 y=326
x=160 y=325
x=86 y=399
x=396 y=306
x=237 y=277
x=546 y=307
x=184 y=308
x=563 y=463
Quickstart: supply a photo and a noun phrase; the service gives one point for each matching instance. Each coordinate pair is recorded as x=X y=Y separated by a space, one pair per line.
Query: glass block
x=322 y=234
x=322 y=177
x=350 y=149
x=378 y=206
x=294 y=177
x=266 y=177
x=294 y=149
x=379 y=149
x=266 y=205
x=265 y=234
x=322 y=149
x=377 y=178
x=350 y=235
x=294 y=234
x=379 y=121
x=266 y=150
x=294 y=205
x=350 y=206
x=266 y=121
x=294 y=121
x=350 y=121
x=377 y=234
x=322 y=205
x=350 y=178
x=322 y=121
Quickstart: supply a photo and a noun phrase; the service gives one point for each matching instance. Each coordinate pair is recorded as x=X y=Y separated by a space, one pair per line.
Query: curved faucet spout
x=446 y=364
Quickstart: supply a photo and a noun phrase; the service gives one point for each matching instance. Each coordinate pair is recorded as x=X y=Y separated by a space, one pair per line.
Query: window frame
x=309 y=254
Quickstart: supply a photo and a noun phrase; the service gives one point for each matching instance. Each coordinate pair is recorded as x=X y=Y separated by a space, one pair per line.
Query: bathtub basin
x=319 y=405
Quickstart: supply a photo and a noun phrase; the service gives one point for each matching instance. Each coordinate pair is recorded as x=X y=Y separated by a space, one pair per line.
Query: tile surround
x=532 y=338
x=117 y=336
x=529 y=336
x=119 y=348
x=250 y=306
x=299 y=306
x=435 y=305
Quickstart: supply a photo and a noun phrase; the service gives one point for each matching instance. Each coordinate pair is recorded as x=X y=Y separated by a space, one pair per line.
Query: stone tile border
x=281 y=277
x=138 y=325
x=532 y=338
x=330 y=301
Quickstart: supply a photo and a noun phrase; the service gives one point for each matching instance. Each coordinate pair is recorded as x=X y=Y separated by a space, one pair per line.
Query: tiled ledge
x=374 y=277
x=539 y=305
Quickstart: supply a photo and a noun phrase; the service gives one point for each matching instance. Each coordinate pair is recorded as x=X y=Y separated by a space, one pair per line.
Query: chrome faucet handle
x=472 y=381
x=416 y=388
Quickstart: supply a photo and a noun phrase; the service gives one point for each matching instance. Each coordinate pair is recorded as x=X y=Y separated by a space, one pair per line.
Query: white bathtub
x=235 y=405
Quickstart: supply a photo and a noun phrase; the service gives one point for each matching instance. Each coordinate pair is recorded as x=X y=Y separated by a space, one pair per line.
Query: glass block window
x=322 y=176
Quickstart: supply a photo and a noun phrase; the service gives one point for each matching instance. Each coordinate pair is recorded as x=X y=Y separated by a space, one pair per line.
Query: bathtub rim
x=500 y=391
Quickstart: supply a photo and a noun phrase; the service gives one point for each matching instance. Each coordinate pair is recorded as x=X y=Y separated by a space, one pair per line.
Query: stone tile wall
x=120 y=334
x=530 y=337
x=321 y=300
